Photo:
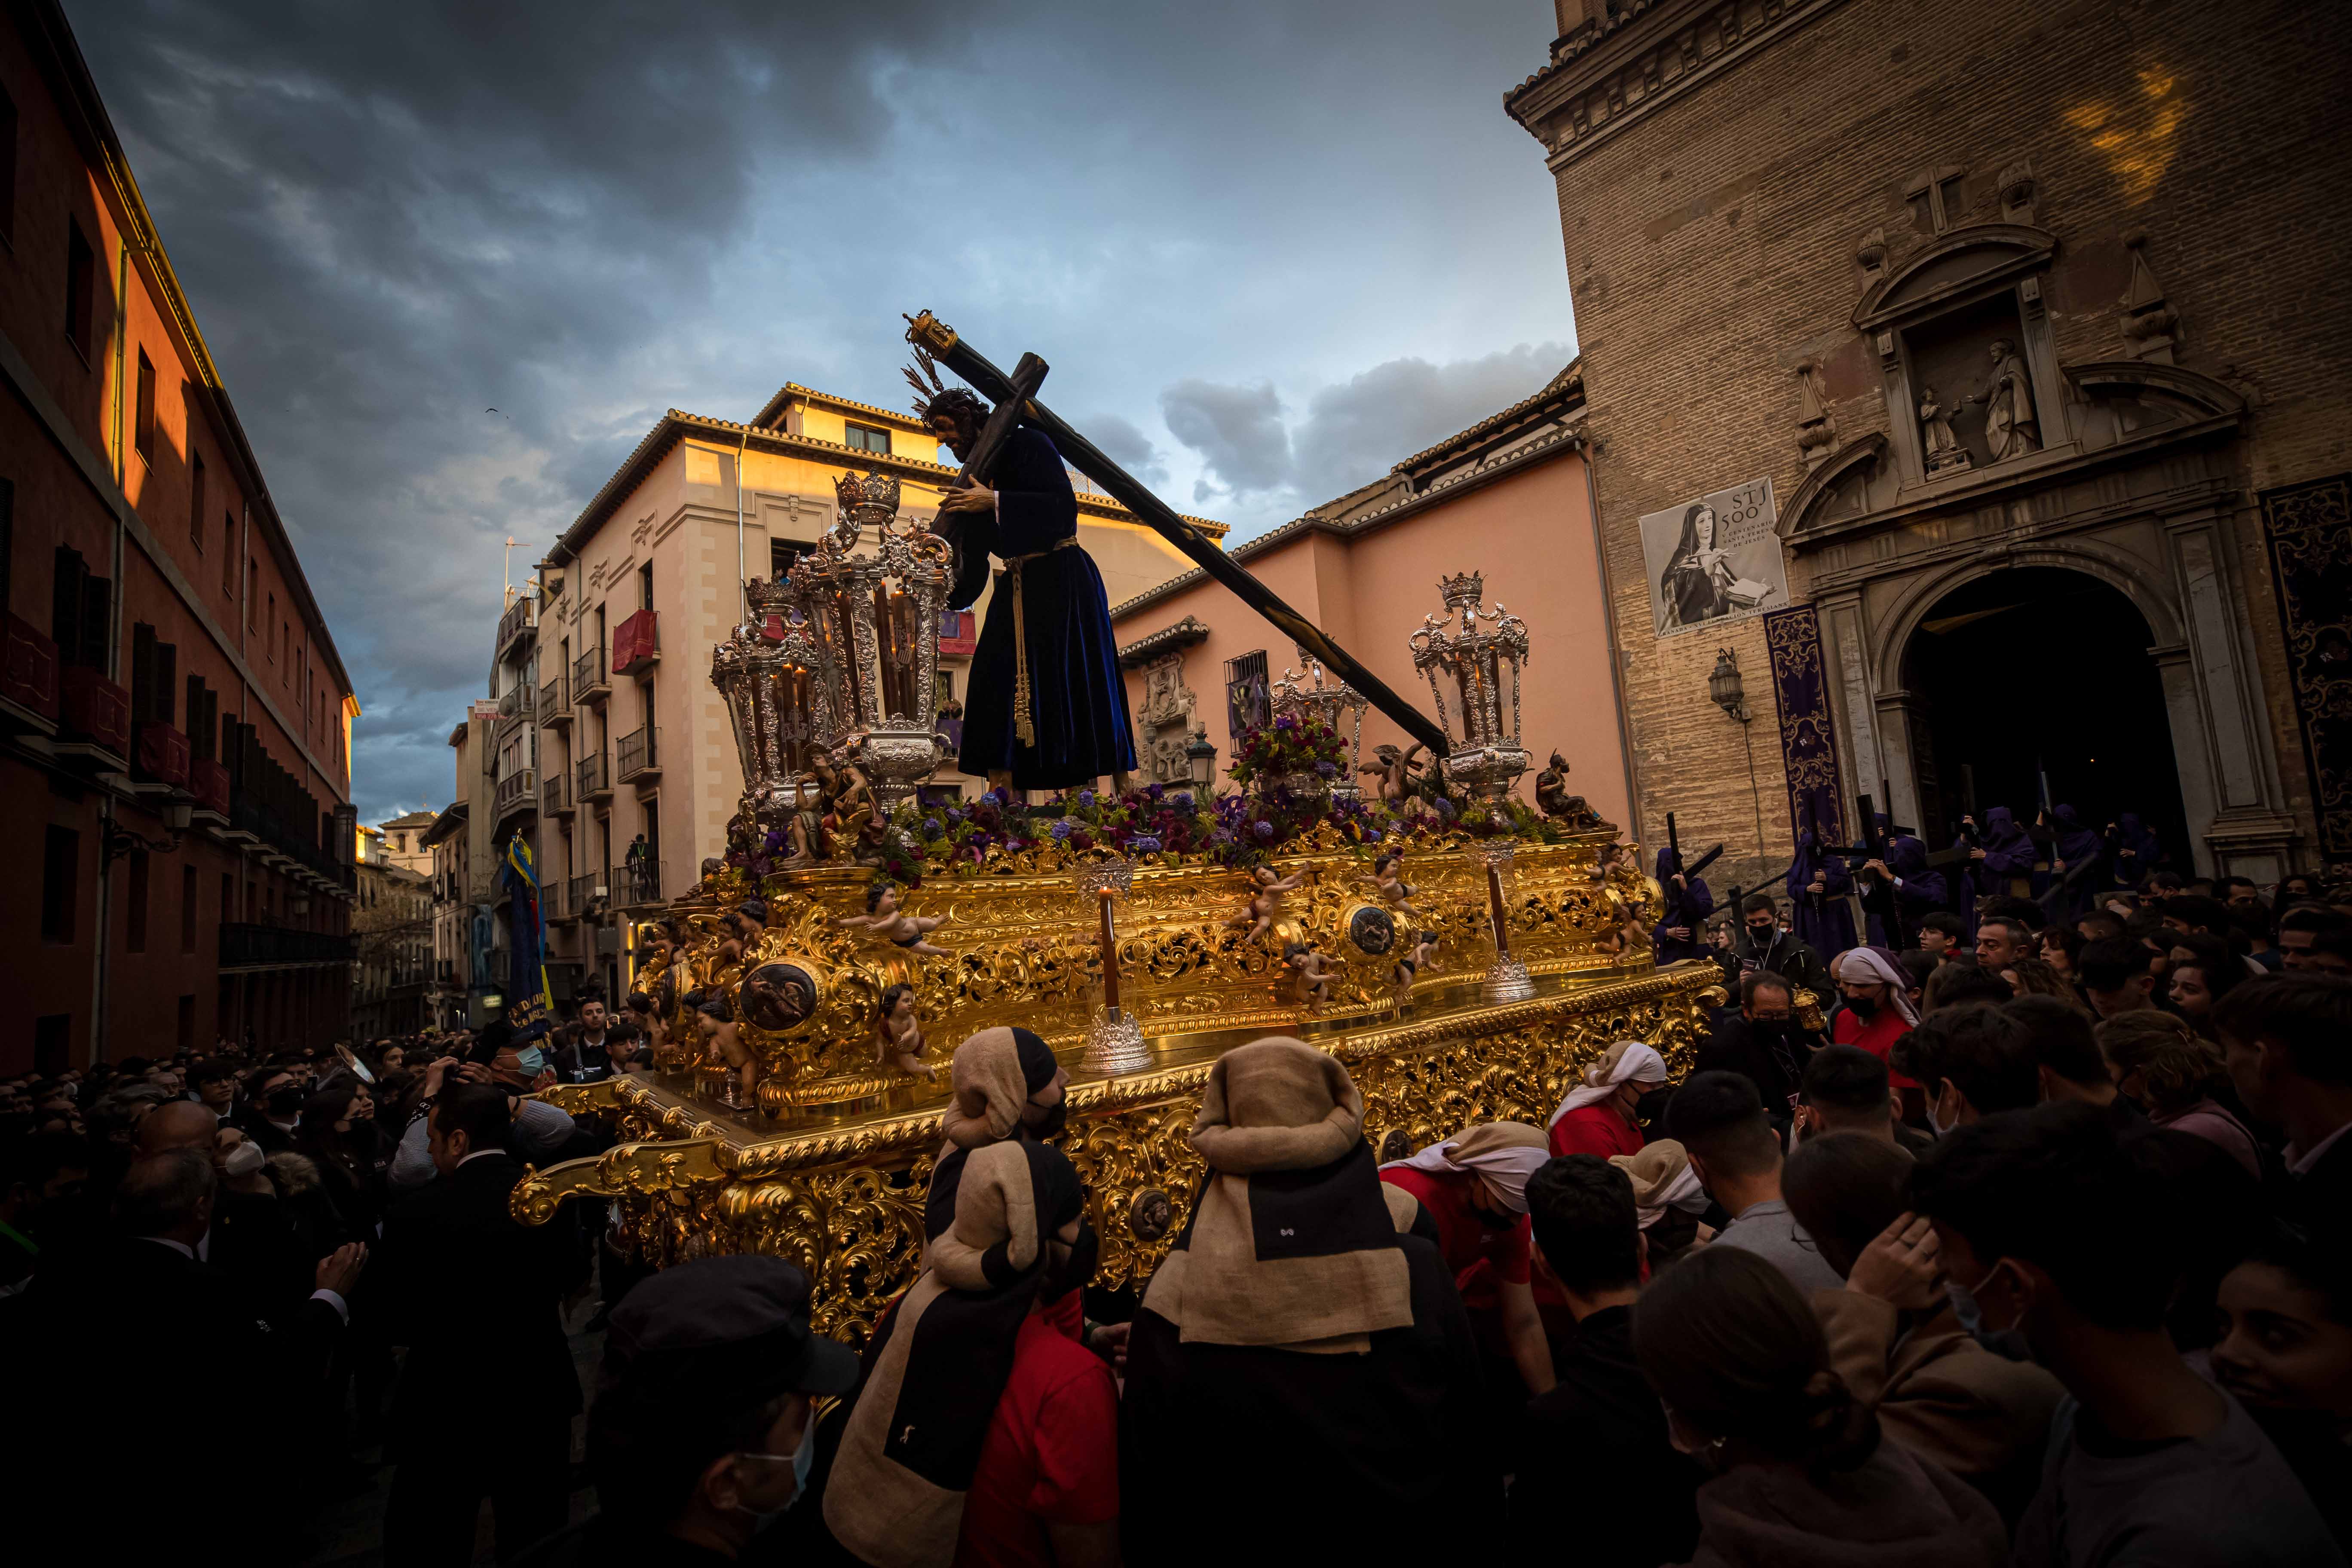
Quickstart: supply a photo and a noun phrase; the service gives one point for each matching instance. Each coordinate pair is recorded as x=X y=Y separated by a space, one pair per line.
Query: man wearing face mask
x=1763 y=1043
x=277 y=1104
x=1763 y=945
x=2042 y=1222
x=1976 y=1060
x=702 y=1432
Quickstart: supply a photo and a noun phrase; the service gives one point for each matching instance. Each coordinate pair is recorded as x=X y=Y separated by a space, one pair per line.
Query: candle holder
x=1340 y=709
x=1507 y=978
x=1467 y=660
x=863 y=640
x=1114 y=1038
x=777 y=710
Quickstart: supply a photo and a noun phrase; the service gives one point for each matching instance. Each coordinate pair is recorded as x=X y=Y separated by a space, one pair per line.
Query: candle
x=1110 y=955
x=1495 y=909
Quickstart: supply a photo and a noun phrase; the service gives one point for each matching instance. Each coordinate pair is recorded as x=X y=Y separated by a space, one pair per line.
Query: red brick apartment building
x=175 y=766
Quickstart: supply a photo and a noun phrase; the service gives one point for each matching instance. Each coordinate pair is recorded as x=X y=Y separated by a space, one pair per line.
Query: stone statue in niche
x=2010 y=428
x=1943 y=449
x=1167 y=718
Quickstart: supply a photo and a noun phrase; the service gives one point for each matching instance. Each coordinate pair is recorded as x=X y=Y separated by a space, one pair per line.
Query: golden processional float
x=1467 y=956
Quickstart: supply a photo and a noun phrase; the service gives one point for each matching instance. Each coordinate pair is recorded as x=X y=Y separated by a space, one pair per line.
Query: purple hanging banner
x=1807 y=734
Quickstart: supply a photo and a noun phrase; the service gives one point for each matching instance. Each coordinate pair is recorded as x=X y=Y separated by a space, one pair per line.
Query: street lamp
x=1725 y=687
x=115 y=840
x=1728 y=692
x=1200 y=758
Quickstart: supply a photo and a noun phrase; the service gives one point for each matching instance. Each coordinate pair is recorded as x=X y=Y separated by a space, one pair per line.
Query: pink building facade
x=1510 y=497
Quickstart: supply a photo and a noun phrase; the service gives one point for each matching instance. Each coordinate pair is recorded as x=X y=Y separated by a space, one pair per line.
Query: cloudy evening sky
x=1268 y=248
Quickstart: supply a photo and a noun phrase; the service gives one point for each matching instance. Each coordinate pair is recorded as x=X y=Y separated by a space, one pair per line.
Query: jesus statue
x=1047 y=706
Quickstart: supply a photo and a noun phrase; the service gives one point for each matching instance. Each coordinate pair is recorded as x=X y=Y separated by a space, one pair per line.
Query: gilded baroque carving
x=847 y=1203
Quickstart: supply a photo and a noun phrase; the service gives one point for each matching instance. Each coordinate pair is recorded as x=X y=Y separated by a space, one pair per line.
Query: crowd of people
x=2020 y=1242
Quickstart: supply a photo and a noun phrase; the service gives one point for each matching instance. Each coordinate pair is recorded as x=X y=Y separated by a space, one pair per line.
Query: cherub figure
x=1396 y=773
x=745 y=924
x=1265 y=899
x=899 y=1034
x=1388 y=875
x=1408 y=966
x=1313 y=985
x=722 y=1042
x=883 y=918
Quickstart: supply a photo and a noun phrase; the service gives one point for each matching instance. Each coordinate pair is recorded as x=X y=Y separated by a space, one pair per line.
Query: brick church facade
x=2033 y=318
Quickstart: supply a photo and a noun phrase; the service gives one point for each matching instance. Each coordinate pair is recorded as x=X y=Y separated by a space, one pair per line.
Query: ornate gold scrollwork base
x=845 y=1201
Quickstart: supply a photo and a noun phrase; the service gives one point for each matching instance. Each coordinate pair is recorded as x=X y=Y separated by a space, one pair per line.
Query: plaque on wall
x=1715 y=559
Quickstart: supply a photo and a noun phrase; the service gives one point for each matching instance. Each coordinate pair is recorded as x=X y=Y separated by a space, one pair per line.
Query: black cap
x=740 y=1324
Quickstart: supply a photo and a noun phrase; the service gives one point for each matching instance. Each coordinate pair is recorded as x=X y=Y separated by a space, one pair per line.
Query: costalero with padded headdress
x=1290 y=1243
x=940 y=1361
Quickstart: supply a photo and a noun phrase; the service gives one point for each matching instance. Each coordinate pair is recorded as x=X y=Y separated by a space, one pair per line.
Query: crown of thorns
x=934 y=396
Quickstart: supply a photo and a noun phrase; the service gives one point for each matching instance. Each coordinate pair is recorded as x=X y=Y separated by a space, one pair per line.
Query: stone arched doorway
x=2031 y=675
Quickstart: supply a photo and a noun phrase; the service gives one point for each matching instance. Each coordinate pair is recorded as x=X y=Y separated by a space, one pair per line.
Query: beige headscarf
x=1506 y=1153
x=1311 y=1265
x=1662 y=1179
x=897 y=1496
x=991 y=1084
x=1627 y=1061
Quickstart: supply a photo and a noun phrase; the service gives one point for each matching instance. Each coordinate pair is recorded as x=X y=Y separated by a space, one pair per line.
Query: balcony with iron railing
x=641 y=882
x=556 y=794
x=639 y=755
x=247 y=945
x=520 y=620
x=591 y=682
x=553 y=711
x=587 y=889
x=518 y=791
x=594 y=774
x=521 y=703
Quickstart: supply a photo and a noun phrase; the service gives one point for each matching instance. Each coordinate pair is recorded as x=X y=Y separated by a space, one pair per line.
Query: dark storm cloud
x=1237 y=430
x=389 y=219
x=1352 y=433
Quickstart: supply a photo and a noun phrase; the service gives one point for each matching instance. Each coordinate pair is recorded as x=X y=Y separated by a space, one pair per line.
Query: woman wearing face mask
x=2286 y=1353
x=1802 y=1476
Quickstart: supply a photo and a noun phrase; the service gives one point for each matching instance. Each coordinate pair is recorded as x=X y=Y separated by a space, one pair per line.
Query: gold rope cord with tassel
x=1025 y=726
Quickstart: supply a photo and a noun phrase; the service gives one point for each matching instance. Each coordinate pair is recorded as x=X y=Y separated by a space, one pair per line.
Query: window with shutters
x=196 y=505
x=142 y=429
x=154 y=677
x=81 y=290
x=81 y=610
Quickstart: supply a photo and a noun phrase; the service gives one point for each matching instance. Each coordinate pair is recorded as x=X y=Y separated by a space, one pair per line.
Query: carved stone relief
x=1167 y=718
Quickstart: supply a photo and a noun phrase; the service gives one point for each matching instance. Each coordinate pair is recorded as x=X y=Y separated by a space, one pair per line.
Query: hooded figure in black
x=1046 y=706
x=1298 y=1363
x=1688 y=903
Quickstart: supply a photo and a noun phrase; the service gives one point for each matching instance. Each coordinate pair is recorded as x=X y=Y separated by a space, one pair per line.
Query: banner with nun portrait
x=1714 y=559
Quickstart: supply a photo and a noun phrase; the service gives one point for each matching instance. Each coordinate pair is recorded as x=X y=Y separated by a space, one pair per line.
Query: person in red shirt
x=1046 y=1488
x=1597 y=1116
x=1877 y=1013
x=1473 y=1191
